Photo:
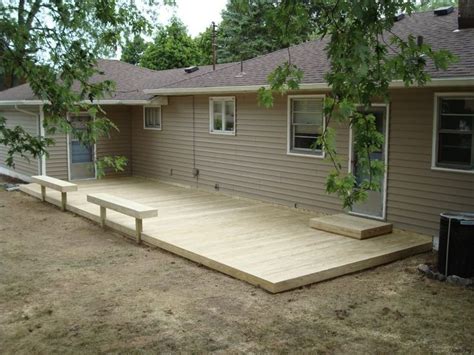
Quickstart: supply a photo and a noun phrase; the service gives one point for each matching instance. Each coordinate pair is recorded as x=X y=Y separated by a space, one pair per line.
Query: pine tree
x=249 y=29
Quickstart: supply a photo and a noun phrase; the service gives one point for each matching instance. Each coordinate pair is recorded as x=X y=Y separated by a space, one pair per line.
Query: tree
x=248 y=27
x=204 y=45
x=171 y=48
x=434 y=4
x=133 y=50
x=54 y=45
x=365 y=56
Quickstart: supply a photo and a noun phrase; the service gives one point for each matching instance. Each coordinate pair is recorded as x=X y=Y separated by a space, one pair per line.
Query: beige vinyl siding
x=56 y=163
x=416 y=193
x=31 y=125
x=165 y=154
x=119 y=142
x=254 y=163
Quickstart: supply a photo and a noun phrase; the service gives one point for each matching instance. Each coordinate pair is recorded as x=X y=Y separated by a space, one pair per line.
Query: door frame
x=68 y=149
x=385 y=177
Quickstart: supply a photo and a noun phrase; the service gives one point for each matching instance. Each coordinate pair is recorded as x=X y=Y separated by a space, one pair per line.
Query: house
x=205 y=129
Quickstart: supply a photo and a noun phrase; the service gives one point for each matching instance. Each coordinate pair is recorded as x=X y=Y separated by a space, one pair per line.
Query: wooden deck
x=266 y=245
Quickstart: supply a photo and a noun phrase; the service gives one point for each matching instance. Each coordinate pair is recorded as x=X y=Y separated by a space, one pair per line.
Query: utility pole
x=214 y=45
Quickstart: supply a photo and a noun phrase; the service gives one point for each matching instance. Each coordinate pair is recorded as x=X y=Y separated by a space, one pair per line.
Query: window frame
x=435 y=137
x=68 y=148
x=212 y=99
x=161 y=118
x=300 y=152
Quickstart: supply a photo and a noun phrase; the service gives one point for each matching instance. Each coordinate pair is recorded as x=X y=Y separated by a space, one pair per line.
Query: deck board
x=264 y=244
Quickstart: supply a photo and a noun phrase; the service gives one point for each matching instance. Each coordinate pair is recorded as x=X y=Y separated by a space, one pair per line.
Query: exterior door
x=374 y=206
x=81 y=157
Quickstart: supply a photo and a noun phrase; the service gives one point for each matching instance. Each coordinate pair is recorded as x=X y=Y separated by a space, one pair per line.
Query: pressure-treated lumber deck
x=266 y=245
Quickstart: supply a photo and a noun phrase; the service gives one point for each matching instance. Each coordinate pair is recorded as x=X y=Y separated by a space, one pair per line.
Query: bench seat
x=52 y=183
x=124 y=206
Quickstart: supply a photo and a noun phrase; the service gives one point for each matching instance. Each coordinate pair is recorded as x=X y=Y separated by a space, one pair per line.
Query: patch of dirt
x=67 y=286
x=9 y=180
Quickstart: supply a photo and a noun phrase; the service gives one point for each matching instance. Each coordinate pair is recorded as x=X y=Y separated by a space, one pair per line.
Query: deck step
x=351 y=226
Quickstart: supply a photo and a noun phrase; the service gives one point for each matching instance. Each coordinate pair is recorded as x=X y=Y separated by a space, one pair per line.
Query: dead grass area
x=66 y=286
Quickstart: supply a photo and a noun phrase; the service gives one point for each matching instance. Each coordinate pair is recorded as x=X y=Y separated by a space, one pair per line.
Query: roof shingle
x=438 y=31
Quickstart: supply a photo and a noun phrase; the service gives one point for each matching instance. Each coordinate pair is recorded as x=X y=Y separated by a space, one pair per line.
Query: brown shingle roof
x=438 y=31
x=130 y=80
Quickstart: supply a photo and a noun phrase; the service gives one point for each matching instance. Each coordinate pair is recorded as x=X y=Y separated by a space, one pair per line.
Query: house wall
x=119 y=143
x=416 y=193
x=252 y=163
x=56 y=162
x=23 y=168
x=255 y=163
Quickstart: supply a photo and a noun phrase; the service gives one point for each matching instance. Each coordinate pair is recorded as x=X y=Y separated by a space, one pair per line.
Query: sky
x=197 y=15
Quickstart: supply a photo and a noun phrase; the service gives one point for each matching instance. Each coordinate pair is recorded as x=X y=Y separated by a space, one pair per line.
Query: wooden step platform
x=351 y=226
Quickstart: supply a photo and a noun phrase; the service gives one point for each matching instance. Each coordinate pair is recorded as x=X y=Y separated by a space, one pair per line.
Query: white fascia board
x=437 y=82
x=119 y=102
x=97 y=102
x=440 y=82
x=21 y=103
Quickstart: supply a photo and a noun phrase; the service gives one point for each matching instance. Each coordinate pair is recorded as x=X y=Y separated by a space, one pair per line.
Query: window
x=222 y=115
x=454 y=133
x=305 y=125
x=152 y=117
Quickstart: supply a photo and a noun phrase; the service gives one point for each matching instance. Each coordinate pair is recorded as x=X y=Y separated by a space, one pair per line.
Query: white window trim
x=434 y=149
x=385 y=176
x=288 y=128
x=211 y=115
x=161 y=118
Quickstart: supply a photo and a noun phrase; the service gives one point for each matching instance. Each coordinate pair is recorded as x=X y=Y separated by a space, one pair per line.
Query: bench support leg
x=103 y=215
x=139 y=229
x=43 y=193
x=63 y=201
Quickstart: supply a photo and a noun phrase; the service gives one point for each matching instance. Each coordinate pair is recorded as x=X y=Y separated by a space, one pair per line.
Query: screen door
x=374 y=206
x=81 y=156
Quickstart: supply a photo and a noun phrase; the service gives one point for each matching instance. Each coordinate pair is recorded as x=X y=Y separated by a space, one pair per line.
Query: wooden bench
x=121 y=205
x=59 y=185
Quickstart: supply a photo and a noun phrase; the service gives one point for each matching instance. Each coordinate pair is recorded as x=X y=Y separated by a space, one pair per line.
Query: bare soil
x=67 y=286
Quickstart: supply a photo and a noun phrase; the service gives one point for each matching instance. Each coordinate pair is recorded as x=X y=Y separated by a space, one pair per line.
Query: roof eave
x=437 y=82
x=21 y=102
x=97 y=102
x=224 y=89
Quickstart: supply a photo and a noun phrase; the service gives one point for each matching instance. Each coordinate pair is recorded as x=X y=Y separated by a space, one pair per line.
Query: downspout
x=41 y=162
x=195 y=170
x=42 y=134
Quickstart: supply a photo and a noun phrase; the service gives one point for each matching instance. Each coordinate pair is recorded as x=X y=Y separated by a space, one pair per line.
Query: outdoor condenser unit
x=456 y=244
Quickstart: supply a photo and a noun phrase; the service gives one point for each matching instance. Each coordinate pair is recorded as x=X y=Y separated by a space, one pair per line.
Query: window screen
x=152 y=117
x=455 y=133
x=306 y=125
